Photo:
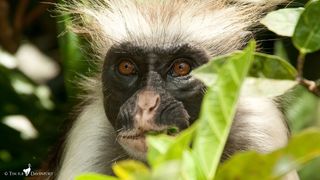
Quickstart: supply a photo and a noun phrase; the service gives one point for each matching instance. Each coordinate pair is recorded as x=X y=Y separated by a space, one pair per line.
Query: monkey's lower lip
x=135 y=136
x=136 y=143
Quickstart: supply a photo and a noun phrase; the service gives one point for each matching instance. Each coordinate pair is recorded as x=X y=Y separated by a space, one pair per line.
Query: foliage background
x=30 y=98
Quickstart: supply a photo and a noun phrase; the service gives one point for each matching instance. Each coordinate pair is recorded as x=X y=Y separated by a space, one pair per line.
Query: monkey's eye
x=126 y=67
x=181 y=68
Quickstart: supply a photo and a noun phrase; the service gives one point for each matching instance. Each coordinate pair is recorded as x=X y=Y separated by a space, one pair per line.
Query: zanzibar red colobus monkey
x=146 y=50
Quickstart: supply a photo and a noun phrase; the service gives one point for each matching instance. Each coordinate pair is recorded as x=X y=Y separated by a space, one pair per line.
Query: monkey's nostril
x=148 y=100
x=156 y=104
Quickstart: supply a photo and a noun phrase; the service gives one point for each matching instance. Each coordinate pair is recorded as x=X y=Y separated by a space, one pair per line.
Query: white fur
x=90 y=144
x=216 y=25
x=265 y=124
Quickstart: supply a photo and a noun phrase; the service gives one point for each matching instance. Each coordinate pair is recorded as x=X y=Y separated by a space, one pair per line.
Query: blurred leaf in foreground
x=130 y=169
x=163 y=148
x=94 y=176
x=301 y=149
x=218 y=109
x=310 y=170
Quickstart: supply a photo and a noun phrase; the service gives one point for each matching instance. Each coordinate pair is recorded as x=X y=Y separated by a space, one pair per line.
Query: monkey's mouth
x=135 y=142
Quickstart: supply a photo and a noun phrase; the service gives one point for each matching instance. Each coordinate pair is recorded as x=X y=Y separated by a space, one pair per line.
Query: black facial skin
x=180 y=96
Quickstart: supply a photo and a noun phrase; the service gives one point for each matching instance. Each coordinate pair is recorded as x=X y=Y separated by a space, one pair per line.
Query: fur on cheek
x=90 y=144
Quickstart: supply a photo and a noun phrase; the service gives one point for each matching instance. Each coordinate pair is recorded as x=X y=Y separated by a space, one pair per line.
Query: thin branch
x=300 y=65
x=312 y=86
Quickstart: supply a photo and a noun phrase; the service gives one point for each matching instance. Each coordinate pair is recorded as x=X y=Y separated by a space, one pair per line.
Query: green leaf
x=260 y=87
x=283 y=21
x=94 y=176
x=218 y=109
x=163 y=148
x=264 y=66
x=301 y=149
x=169 y=170
x=310 y=170
x=207 y=73
x=157 y=148
x=130 y=169
x=188 y=167
x=272 y=67
x=306 y=36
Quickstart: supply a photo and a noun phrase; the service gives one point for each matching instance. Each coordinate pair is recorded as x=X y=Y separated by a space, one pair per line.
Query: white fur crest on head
x=217 y=25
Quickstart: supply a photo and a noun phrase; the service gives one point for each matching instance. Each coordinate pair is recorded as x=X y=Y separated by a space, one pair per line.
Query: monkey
x=145 y=52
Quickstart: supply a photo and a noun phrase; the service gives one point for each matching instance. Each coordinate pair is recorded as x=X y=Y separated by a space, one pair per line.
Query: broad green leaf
x=261 y=87
x=163 y=148
x=95 y=176
x=264 y=65
x=310 y=170
x=157 y=148
x=207 y=73
x=217 y=110
x=282 y=21
x=188 y=167
x=250 y=165
x=171 y=169
x=182 y=169
x=130 y=170
x=306 y=36
x=272 y=67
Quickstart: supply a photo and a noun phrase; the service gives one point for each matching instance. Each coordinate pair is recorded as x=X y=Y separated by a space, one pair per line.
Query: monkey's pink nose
x=148 y=101
x=147 y=104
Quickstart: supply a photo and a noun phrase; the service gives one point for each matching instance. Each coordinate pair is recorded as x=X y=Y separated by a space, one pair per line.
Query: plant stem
x=300 y=65
x=312 y=86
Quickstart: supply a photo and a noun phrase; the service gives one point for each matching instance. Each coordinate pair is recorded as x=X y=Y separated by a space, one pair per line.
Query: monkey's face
x=150 y=90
